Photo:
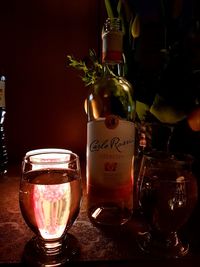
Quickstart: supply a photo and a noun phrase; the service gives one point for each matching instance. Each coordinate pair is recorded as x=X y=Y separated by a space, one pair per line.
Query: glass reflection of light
x=179 y=200
x=52 y=208
x=56 y=159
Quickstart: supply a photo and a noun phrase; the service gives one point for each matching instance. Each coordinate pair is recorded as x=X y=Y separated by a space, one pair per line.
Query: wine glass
x=167 y=194
x=50 y=197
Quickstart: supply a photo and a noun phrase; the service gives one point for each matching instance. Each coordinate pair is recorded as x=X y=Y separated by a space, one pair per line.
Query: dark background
x=44 y=97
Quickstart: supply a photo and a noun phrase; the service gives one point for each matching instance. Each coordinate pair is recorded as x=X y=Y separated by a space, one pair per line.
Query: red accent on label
x=115 y=56
x=110 y=166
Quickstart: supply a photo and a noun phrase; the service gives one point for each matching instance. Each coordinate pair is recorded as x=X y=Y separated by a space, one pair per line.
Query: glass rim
x=37 y=156
x=165 y=156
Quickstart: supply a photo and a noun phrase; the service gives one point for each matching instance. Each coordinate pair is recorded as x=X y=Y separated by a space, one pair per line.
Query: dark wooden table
x=98 y=247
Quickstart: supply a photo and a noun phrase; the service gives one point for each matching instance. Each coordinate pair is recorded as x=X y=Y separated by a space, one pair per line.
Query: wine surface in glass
x=50 y=201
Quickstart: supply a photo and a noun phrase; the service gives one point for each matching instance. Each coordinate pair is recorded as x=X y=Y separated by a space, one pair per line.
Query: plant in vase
x=160 y=38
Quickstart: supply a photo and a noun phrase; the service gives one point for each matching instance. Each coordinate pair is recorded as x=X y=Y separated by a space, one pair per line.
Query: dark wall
x=44 y=97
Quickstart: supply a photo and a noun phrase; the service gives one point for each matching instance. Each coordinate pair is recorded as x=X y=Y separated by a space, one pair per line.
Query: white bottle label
x=2 y=94
x=110 y=152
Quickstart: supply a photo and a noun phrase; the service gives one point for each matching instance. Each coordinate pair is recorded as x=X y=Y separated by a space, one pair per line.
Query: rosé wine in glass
x=50 y=198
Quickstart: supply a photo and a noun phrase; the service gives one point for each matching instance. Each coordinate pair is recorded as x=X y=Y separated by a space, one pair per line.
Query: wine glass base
x=33 y=255
x=160 y=247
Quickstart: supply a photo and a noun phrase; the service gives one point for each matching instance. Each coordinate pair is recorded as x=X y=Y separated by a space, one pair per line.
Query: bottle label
x=110 y=152
x=2 y=94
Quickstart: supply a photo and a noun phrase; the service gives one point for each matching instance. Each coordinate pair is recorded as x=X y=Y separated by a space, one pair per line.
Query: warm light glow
x=95 y=109
x=52 y=209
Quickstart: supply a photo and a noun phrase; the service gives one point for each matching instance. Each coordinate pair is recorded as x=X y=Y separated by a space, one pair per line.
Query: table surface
x=98 y=247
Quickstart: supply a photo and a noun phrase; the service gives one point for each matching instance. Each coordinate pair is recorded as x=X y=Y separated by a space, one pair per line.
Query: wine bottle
x=3 y=149
x=110 y=136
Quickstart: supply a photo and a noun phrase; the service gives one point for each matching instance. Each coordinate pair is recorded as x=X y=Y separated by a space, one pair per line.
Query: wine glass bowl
x=167 y=194
x=50 y=197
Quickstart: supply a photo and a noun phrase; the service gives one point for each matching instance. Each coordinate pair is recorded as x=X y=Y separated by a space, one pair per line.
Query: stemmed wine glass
x=167 y=194
x=50 y=197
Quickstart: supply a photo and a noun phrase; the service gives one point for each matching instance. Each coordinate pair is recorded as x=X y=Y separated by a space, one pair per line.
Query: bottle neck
x=112 y=42
x=113 y=69
x=112 y=48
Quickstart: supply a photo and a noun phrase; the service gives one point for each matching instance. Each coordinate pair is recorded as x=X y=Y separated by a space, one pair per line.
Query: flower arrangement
x=162 y=58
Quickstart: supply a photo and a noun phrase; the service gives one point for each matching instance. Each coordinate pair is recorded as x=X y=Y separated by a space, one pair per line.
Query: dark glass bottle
x=3 y=149
x=110 y=136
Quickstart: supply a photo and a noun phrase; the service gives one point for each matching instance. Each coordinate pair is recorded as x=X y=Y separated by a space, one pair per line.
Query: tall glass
x=167 y=194
x=50 y=197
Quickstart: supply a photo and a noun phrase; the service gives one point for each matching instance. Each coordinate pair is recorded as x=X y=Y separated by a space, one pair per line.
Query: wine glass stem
x=50 y=247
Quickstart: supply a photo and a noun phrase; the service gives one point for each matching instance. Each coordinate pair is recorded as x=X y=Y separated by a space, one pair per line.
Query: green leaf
x=135 y=28
x=142 y=109
x=109 y=9
x=164 y=112
x=91 y=71
x=119 y=6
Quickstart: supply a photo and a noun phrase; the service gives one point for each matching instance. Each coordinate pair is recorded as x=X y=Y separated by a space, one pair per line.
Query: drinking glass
x=50 y=197
x=167 y=194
